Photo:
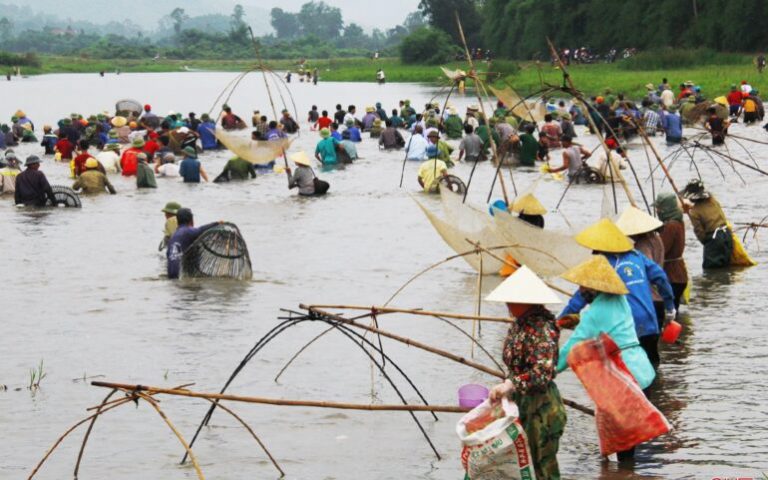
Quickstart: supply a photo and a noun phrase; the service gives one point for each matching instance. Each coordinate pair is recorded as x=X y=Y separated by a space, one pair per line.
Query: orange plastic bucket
x=671 y=332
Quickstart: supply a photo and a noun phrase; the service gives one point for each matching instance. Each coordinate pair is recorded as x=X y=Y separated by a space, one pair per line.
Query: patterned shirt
x=531 y=349
x=652 y=121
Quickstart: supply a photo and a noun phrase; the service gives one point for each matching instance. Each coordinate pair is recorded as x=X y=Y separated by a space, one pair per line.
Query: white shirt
x=601 y=163
x=417 y=148
x=667 y=98
x=746 y=88
x=168 y=170
x=109 y=160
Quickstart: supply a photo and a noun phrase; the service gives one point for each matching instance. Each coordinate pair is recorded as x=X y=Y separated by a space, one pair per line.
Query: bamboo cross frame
x=414 y=311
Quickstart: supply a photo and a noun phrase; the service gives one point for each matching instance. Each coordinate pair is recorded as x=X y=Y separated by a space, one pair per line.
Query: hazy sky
x=369 y=14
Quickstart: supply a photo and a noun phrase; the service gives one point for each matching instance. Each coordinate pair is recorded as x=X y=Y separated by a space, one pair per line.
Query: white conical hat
x=523 y=286
x=634 y=221
x=301 y=158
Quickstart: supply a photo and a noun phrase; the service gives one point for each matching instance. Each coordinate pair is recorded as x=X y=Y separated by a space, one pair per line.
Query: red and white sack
x=495 y=445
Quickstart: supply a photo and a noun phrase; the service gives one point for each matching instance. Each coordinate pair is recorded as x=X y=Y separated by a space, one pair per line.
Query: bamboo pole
x=405 y=340
x=281 y=402
x=413 y=311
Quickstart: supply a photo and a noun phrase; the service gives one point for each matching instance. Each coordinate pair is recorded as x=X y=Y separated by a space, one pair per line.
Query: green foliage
x=13 y=60
x=679 y=58
x=429 y=46
x=442 y=15
x=519 y=29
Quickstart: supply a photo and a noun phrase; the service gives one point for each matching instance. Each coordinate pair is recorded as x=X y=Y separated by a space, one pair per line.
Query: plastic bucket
x=472 y=395
x=671 y=332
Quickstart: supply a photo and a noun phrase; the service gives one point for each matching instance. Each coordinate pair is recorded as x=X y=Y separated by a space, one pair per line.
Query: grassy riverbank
x=527 y=78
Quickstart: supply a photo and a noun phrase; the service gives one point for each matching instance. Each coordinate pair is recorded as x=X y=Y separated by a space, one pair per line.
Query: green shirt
x=454 y=127
x=528 y=149
x=239 y=169
x=326 y=148
x=145 y=177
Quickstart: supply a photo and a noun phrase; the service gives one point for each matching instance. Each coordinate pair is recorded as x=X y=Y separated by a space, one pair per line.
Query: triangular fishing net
x=519 y=107
x=219 y=252
x=66 y=196
x=127 y=107
x=256 y=152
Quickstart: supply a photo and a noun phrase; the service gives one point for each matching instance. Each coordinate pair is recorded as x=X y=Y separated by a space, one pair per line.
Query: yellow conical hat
x=523 y=286
x=635 y=221
x=596 y=274
x=529 y=205
x=604 y=236
x=301 y=158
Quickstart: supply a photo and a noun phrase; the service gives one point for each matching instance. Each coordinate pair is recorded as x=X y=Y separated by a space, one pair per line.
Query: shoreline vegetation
x=714 y=74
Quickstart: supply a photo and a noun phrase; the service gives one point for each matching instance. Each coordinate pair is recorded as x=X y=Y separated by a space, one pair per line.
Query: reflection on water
x=84 y=290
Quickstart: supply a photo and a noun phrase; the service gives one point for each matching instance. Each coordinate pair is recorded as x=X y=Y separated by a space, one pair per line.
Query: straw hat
x=650 y=86
x=604 y=236
x=91 y=163
x=529 y=205
x=635 y=221
x=370 y=109
x=525 y=287
x=119 y=122
x=596 y=274
x=301 y=158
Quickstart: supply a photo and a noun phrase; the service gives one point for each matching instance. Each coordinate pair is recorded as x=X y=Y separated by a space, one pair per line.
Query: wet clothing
x=430 y=173
x=711 y=228
x=638 y=273
x=289 y=124
x=717 y=129
x=529 y=148
x=145 y=176
x=473 y=147
x=179 y=243
x=610 y=314
x=530 y=353
x=326 y=148
x=417 y=147
x=552 y=132
x=303 y=178
x=567 y=127
x=575 y=161
x=190 y=170
x=93 y=182
x=238 y=169
x=49 y=143
x=8 y=180
x=354 y=134
x=80 y=162
x=324 y=122
x=672 y=124
x=33 y=189
x=673 y=238
x=109 y=160
x=454 y=127
x=350 y=148
x=230 y=121
x=207 y=130
x=130 y=162
x=65 y=148
x=391 y=139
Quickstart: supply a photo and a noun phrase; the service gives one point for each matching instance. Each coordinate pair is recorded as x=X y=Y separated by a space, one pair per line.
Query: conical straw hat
x=604 y=236
x=529 y=205
x=596 y=274
x=523 y=286
x=301 y=158
x=635 y=221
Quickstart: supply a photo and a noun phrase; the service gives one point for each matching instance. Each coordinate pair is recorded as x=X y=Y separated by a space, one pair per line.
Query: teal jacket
x=611 y=314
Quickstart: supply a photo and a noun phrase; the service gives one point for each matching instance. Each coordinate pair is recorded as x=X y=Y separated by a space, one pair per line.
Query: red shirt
x=324 y=122
x=151 y=147
x=129 y=163
x=734 y=98
x=65 y=147
x=80 y=162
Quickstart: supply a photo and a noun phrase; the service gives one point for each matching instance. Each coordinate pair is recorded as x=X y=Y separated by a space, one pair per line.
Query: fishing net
x=454 y=75
x=699 y=113
x=453 y=183
x=531 y=111
x=256 y=152
x=66 y=196
x=219 y=252
x=127 y=108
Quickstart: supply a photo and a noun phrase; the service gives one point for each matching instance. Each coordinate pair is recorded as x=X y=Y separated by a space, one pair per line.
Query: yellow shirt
x=430 y=174
x=750 y=105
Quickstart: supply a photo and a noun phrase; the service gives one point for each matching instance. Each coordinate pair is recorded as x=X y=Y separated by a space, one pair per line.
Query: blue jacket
x=207 y=130
x=179 y=243
x=638 y=273
x=189 y=169
x=611 y=314
x=673 y=125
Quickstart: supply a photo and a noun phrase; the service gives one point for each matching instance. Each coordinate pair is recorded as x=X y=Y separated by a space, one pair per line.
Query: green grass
x=714 y=80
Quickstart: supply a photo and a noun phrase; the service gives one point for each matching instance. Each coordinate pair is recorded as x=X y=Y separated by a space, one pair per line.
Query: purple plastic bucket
x=472 y=395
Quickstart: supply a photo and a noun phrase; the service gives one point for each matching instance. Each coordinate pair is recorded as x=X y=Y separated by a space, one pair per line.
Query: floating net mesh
x=66 y=196
x=256 y=152
x=546 y=252
x=128 y=107
x=219 y=252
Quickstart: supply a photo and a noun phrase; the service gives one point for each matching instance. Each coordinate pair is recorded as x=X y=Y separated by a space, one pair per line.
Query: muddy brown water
x=83 y=291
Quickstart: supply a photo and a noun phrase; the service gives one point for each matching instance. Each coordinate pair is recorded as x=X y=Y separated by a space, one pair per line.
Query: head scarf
x=668 y=208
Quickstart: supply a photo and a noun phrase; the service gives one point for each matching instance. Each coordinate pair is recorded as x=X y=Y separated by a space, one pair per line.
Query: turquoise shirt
x=326 y=148
x=611 y=314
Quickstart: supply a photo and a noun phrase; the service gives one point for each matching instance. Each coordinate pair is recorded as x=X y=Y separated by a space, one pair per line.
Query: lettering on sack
x=522 y=452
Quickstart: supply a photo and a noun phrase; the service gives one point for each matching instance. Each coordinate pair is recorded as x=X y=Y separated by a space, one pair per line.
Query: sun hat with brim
x=528 y=205
x=634 y=221
x=119 y=122
x=138 y=142
x=301 y=158
x=604 y=236
x=695 y=191
x=369 y=109
x=91 y=163
x=32 y=160
x=596 y=274
x=722 y=101
x=190 y=152
x=325 y=133
x=650 y=86
x=114 y=147
x=525 y=287
x=171 y=207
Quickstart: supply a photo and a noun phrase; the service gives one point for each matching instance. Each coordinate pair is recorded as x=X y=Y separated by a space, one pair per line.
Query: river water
x=83 y=291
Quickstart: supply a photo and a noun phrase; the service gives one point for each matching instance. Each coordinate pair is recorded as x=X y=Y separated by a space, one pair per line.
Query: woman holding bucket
x=530 y=354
